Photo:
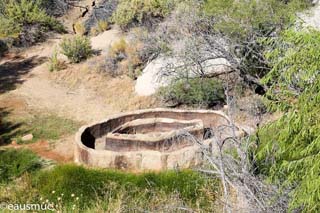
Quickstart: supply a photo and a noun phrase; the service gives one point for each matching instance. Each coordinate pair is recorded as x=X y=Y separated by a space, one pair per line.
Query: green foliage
x=42 y=126
x=54 y=63
x=15 y=162
x=17 y=16
x=8 y=28
x=50 y=127
x=242 y=19
x=289 y=148
x=295 y=61
x=88 y=184
x=77 y=48
x=139 y=11
x=196 y=91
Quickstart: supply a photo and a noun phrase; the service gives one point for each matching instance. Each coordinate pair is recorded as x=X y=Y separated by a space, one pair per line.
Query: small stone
x=14 y=143
x=27 y=137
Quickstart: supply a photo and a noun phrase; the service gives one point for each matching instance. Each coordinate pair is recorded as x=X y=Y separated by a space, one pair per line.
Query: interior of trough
x=151 y=130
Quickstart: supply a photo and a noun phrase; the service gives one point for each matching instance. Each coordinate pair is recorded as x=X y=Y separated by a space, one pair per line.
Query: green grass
x=50 y=127
x=15 y=162
x=42 y=126
x=91 y=185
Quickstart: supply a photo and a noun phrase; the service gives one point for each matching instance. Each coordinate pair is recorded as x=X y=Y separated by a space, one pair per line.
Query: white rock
x=27 y=137
x=149 y=81
x=312 y=17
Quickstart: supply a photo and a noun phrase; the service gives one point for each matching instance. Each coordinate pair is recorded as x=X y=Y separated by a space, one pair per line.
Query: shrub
x=102 y=26
x=140 y=11
x=15 y=162
x=79 y=28
x=92 y=184
x=118 y=48
x=77 y=48
x=26 y=21
x=196 y=91
x=124 y=58
x=54 y=63
x=288 y=151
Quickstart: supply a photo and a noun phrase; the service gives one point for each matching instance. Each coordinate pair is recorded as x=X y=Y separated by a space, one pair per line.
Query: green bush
x=26 y=21
x=196 y=91
x=90 y=184
x=15 y=162
x=139 y=11
x=288 y=151
x=77 y=48
x=54 y=63
x=242 y=18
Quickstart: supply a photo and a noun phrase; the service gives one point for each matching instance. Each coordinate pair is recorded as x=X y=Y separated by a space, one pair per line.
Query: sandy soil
x=81 y=92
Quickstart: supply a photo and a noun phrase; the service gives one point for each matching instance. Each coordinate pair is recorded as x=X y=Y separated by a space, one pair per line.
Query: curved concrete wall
x=149 y=157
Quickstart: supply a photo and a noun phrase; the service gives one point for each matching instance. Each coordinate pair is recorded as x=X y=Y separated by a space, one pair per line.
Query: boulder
x=150 y=80
x=27 y=137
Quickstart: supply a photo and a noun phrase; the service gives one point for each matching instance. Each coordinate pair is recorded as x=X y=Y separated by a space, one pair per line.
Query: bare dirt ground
x=82 y=92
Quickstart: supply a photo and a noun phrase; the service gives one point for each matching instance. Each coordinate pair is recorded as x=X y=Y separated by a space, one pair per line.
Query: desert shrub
x=131 y=12
x=79 y=28
x=8 y=28
x=195 y=91
x=124 y=58
x=77 y=48
x=15 y=162
x=90 y=184
x=102 y=26
x=253 y=17
x=288 y=151
x=118 y=48
x=246 y=23
x=54 y=63
x=26 y=21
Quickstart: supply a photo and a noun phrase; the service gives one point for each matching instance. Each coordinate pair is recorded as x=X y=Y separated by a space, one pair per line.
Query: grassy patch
x=50 y=127
x=15 y=162
x=41 y=126
x=84 y=187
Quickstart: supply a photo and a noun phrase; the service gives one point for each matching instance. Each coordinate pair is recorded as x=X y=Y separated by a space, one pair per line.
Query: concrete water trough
x=146 y=139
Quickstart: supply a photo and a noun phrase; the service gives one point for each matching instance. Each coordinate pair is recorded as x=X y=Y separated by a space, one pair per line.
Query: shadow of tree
x=12 y=71
x=8 y=129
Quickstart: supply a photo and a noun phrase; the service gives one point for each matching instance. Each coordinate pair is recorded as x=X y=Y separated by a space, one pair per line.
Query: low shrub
x=196 y=91
x=77 y=48
x=124 y=58
x=54 y=63
x=15 y=162
x=26 y=21
x=131 y=12
x=100 y=27
x=79 y=28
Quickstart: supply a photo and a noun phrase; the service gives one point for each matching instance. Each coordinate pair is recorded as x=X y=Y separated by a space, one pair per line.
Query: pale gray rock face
x=312 y=17
x=151 y=80
x=153 y=76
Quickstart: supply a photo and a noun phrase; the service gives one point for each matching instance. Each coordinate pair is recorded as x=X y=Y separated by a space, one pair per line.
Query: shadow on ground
x=8 y=129
x=11 y=72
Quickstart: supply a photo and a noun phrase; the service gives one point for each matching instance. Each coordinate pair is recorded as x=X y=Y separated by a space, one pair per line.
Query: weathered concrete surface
x=146 y=139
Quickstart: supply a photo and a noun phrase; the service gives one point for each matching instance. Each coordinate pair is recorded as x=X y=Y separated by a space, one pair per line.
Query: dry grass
x=117 y=92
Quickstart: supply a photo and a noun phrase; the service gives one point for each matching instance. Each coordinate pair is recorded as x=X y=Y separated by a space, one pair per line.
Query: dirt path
x=41 y=92
x=25 y=78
